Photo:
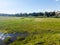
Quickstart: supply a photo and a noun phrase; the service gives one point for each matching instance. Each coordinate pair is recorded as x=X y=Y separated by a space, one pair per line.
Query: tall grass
x=43 y=31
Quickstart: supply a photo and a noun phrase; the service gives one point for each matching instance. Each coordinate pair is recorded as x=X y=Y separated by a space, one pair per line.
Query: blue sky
x=23 y=6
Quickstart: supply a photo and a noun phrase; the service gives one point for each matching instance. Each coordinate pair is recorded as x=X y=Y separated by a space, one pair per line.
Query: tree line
x=39 y=14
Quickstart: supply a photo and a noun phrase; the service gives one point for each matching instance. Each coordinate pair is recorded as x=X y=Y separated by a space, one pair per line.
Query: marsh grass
x=42 y=31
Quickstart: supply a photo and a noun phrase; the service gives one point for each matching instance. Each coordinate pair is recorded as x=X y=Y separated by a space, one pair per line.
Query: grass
x=43 y=31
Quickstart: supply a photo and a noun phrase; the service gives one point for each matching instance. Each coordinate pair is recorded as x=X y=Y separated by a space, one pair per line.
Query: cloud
x=56 y=0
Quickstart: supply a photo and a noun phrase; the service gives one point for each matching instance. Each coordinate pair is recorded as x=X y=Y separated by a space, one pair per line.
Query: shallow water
x=4 y=36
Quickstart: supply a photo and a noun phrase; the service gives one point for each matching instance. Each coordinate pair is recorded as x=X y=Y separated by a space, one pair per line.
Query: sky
x=28 y=6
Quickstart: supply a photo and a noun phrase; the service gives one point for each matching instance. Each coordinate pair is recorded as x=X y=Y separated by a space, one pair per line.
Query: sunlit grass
x=43 y=31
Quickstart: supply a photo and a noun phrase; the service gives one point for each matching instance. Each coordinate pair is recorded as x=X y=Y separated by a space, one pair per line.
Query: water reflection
x=3 y=36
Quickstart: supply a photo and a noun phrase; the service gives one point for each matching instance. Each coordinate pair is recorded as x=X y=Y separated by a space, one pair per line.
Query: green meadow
x=42 y=31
